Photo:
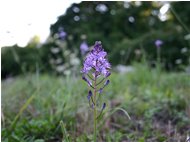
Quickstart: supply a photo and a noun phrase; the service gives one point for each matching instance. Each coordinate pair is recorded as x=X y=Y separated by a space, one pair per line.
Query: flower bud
x=88 y=81
x=103 y=106
x=100 y=90
x=108 y=74
x=89 y=95
x=107 y=82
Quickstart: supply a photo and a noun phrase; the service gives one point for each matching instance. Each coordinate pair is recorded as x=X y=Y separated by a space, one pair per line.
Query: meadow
x=43 y=108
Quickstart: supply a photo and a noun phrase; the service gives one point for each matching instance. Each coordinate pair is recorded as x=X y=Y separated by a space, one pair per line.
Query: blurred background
x=43 y=45
x=128 y=31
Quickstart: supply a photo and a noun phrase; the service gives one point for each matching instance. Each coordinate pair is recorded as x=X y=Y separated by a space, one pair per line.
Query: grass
x=44 y=108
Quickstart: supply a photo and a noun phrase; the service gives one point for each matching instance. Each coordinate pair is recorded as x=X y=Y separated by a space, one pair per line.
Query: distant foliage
x=129 y=30
x=54 y=56
x=16 y=60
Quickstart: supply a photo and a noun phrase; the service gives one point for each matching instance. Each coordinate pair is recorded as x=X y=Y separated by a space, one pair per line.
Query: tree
x=123 y=28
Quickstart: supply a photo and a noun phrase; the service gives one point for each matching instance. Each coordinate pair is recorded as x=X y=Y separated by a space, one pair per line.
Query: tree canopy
x=124 y=27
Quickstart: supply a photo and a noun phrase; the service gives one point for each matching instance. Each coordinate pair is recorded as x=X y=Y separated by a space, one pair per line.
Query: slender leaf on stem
x=90 y=77
x=100 y=82
x=112 y=112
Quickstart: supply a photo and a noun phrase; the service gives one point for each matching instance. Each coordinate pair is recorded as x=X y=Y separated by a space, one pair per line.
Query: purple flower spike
x=158 y=43
x=96 y=60
x=107 y=82
x=96 y=65
x=89 y=95
x=103 y=106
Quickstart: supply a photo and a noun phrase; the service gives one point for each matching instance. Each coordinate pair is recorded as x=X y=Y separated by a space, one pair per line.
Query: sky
x=20 y=20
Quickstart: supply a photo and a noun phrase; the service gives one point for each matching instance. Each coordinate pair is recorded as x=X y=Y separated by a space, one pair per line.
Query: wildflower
x=62 y=34
x=96 y=60
x=84 y=48
x=95 y=66
x=158 y=43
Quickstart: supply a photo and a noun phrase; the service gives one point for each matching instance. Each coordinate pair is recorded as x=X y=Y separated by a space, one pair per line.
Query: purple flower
x=92 y=106
x=96 y=65
x=108 y=74
x=89 y=95
x=87 y=80
x=84 y=48
x=158 y=43
x=100 y=90
x=96 y=60
x=62 y=34
x=103 y=106
x=107 y=82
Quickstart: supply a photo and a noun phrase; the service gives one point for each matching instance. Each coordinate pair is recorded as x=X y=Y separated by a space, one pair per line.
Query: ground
x=33 y=105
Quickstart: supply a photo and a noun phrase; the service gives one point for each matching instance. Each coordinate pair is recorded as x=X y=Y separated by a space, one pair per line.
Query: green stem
x=95 y=135
x=158 y=64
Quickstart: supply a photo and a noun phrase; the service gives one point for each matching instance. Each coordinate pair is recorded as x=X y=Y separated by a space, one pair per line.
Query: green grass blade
x=22 y=110
x=124 y=111
x=64 y=131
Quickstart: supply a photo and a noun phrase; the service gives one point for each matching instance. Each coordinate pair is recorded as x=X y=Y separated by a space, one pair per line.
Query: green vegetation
x=38 y=107
x=149 y=104
x=127 y=29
